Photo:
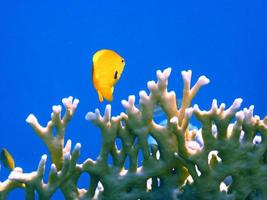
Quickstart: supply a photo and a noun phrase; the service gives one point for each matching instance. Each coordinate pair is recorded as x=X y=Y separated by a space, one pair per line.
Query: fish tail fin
x=107 y=93
x=100 y=97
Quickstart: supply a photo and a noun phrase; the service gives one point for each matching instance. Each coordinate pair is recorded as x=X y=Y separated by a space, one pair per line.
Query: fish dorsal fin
x=105 y=54
x=98 y=54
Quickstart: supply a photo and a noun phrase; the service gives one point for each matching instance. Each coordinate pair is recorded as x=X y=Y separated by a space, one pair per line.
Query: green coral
x=241 y=158
x=176 y=168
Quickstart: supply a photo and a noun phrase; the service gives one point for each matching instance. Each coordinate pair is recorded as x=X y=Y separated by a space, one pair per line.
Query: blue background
x=46 y=49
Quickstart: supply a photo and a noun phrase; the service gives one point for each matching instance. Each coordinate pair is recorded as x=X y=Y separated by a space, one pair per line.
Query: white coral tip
x=31 y=119
x=237 y=103
x=189 y=112
x=64 y=100
x=15 y=174
x=57 y=109
x=78 y=146
x=222 y=106
x=125 y=104
x=257 y=117
x=167 y=72
x=195 y=108
x=97 y=111
x=203 y=80
x=183 y=73
x=44 y=158
x=53 y=168
x=131 y=100
x=240 y=115
x=90 y=116
x=251 y=109
x=214 y=105
x=174 y=120
x=70 y=98
x=159 y=74
x=68 y=146
x=123 y=115
x=143 y=94
x=187 y=75
x=108 y=107
x=172 y=94
x=249 y=112
x=68 y=101
x=151 y=85
x=108 y=111
x=18 y=169
x=76 y=102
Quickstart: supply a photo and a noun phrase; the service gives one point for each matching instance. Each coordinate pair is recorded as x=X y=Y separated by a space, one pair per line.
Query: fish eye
x=122 y=61
x=116 y=75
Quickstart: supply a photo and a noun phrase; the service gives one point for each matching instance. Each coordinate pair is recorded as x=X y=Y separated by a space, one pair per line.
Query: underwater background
x=46 y=50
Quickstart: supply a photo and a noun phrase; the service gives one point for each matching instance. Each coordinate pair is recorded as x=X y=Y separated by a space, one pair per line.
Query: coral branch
x=55 y=143
x=34 y=180
x=179 y=162
x=9 y=185
x=188 y=93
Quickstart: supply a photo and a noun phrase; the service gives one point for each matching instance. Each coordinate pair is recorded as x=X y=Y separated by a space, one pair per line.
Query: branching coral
x=177 y=167
x=64 y=163
x=240 y=154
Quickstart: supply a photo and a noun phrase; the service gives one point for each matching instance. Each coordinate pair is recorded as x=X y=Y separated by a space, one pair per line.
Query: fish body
x=7 y=159
x=107 y=69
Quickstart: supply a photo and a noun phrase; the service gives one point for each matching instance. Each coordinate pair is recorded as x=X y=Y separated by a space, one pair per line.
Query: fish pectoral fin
x=107 y=93
x=100 y=97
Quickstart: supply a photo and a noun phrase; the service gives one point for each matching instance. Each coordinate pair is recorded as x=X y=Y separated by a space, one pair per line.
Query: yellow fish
x=7 y=159
x=107 y=70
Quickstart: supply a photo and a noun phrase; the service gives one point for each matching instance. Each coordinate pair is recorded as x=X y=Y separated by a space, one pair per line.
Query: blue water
x=46 y=49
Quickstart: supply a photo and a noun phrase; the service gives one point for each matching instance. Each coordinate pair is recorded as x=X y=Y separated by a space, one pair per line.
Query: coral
x=229 y=162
